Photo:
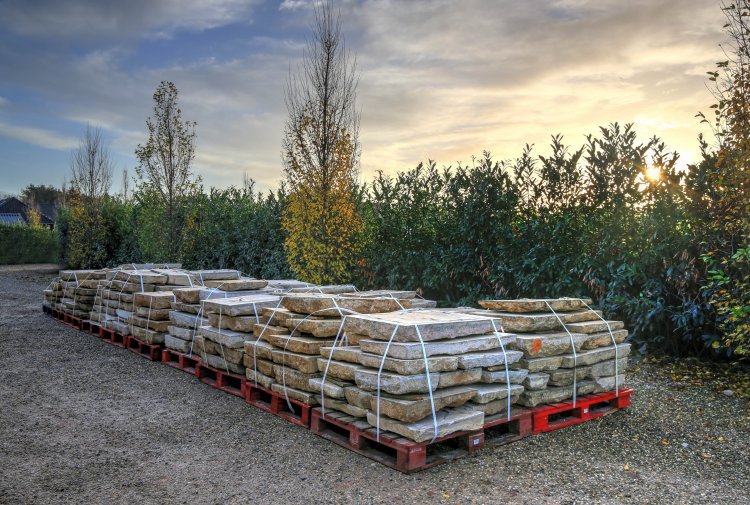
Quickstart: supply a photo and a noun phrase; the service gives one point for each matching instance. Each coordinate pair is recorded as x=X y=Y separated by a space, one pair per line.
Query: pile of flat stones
x=566 y=346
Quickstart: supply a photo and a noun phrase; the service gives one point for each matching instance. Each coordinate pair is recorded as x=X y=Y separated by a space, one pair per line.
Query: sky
x=439 y=79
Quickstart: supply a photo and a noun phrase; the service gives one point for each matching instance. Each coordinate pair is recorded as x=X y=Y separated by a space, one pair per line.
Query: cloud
x=38 y=137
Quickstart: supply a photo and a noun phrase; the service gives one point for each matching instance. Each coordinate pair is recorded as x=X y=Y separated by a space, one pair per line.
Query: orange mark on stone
x=537 y=345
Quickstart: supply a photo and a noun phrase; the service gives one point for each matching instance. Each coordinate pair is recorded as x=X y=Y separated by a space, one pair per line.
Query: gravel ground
x=85 y=422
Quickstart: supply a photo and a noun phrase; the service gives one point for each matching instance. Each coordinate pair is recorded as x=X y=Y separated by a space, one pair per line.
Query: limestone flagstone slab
x=532 y=322
x=485 y=393
x=540 y=364
x=333 y=387
x=341 y=406
x=185 y=320
x=293 y=378
x=564 y=376
x=339 y=369
x=337 y=306
x=394 y=383
x=315 y=327
x=596 y=326
x=348 y=353
x=411 y=408
x=235 y=356
x=433 y=325
x=413 y=350
x=604 y=384
x=496 y=407
x=215 y=275
x=409 y=366
x=358 y=397
x=187 y=308
x=141 y=276
x=220 y=363
x=181 y=333
x=187 y=295
x=265 y=329
x=487 y=359
x=244 y=324
x=258 y=378
x=278 y=316
x=295 y=394
x=287 y=284
x=176 y=344
x=595 y=356
x=79 y=275
x=549 y=344
x=156 y=314
x=387 y=293
x=448 y=421
x=604 y=339
x=177 y=277
x=142 y=322
x=524 y=305
x=241 y=284
x=554 y=394
x=159 y=300
x=147 y=336
x=328 y=289
x=608 y=368
x=258 y=348
x=459 y=377
x=227 y=338
x=498 y=376
x=302 y=362
x=302 y=345
x=130 y=287
x=240 y=306
x=536 y=380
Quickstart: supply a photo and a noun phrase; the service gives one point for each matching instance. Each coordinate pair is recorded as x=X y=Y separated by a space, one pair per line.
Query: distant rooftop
x=7 y=218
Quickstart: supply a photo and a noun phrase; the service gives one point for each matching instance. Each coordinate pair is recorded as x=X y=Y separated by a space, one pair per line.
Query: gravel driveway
x=85 y=422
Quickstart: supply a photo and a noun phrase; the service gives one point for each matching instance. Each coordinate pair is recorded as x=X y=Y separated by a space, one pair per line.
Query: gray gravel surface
x=85 y=422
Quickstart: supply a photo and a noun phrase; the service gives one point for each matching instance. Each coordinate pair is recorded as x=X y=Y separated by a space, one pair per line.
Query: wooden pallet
x=293 y=411
x=559 y=415
x=222 y=380
x=179 y=360
x=390 y=449
x=149 y=351
x=498 y=430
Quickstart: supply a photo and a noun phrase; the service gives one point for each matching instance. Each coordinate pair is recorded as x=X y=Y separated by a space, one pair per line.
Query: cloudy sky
x=440 y=79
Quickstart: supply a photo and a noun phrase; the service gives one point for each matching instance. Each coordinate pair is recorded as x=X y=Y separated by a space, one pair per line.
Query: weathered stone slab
x=177 y=344
x=187 y=308
x=485 y=393
x=352 y=339
x=147 y=336
x=293 y=378
x=333 y=404
x=536 y=380
x=302 y=345
x=240 y=306
x=608 y=368
x=564 y=376
x=278 y=316
x=384 y=293
x=157 y=300
x=358 y=397
x=595 y=326
x=540 y=364
x=411 y=408
x=595 y=356
x=487 y=359
x=339 y=369
x=235 y=356
x=142 y=322
x=227 y=338
x=528 y=323
x=413 y=350
x=604 y=384
x=154 y=314
x=498 y=376
x=80 y=275
x=287 y=284
x=315 y=327
x=337 y=306
x=130 y=287
x=448 y=421
x=190 y=296
x=496 y=407
x=329 y=289
x=395 y=384
x=524 y=305
x=433 y=325
x=349 y=354
x=410 y=366
x=554 y=394
x=295 y=394
x=546 y=345
x=215 y=275
x=243 y=324
x=184 y=320
x=236 y=284
x=258 y=348
x=181 y=333
x=141 y=276
x=597 y=340
x=258 y=378
x=333 y=387
x=302 y=362
x=459 y=377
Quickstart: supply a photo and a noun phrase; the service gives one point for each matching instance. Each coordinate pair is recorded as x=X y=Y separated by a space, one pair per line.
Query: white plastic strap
x=614 y=343
x=380 y=371
x=575 y=356
x=505 y=359
x=429 y=383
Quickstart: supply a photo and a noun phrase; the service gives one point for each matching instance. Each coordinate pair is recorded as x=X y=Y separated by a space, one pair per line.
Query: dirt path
x=84 y=422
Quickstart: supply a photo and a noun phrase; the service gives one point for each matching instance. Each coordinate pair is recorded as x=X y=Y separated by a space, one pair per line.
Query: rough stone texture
x=241 y=306
x=142 y=322
x=413 y=350
x=336 y=306
x=498 y=376
x=540 y=364
x=295 y=394
x=564 y=376
x=604 y=339
x=177 y=277
x=302 y=345
x=302 y=362
x=315 y=327
x=488 y=359
x=411 y=408
x=333 y=404
x=220 y=363
x=485 y=393
x=266 y=328
x=153 y=314
x=595 y=356
x=448 y=421
x=523 y=305
x=147 y=336
x=259 y=348
x=329 y=289
x=395 y=384
x=130 y=287
x=227 y=338
x=278 y=316
x=384 y=293
x=218 y=274
x=181 y=333
x=340 y=369
x=235 y=356
x=410 y=366
x=333 y=388
x=536 y=380
x=358 y=397
x=259 y=378
x=496 y=407
x=554 y=394
x=244 y=324
x=141 y=276
x=596 y=326
x=237 y=284
x=184 y=320
x=459 y=377
x=608 y=383
x=433 y=325
x=551 y=344
x=160 y=300
x=293 y=378
x=527 y=323
x=189 y=296
x=177 y=344
x=607 y=368
x=342 y=353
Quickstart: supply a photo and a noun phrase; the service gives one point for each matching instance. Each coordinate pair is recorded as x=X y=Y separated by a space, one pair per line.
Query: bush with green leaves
x=27 y=244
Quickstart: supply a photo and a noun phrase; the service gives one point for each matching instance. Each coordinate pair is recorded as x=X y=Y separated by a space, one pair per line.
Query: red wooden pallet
x=559 y=415
x=86 y=326
x=148 y=351
x=222 y=380
x=393 y=450
x=94 y=328
x=56 y=314
x=72 y=321
x=179 y=360
x=111 y=337
x=498 y=430
x=277 y=404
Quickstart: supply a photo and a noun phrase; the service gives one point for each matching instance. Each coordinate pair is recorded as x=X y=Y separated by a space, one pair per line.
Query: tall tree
x=321 y=153
x=164 y=163
x=91 y=165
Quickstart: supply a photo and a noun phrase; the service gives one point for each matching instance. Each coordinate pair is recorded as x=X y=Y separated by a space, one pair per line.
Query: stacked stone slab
x=185 y=318
x=459 y=349
x=221 y=343
x=590 y=355
x=79 y=291
x=150 y=319
x=118 y=295
x=53 y=294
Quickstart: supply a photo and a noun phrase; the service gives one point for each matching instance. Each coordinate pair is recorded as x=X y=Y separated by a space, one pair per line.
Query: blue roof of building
x=6 y=218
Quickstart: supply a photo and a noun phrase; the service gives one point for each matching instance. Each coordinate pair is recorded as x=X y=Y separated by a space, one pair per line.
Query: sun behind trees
x=321 y=157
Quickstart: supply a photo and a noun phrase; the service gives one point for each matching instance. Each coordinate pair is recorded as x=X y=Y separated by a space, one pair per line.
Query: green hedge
x=26 y=244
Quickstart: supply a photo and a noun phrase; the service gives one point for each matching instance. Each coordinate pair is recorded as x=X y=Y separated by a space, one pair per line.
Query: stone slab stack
x=590 y=354
x=149 y=321
x=117 y=298
x=79 y=291
x=53 y=294
x=185 y=318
